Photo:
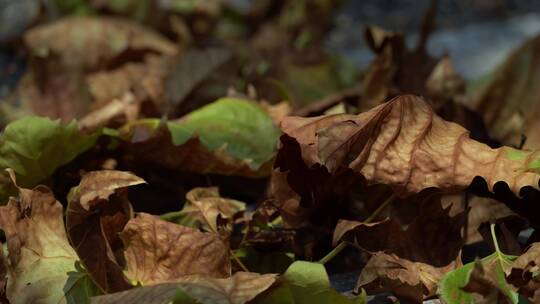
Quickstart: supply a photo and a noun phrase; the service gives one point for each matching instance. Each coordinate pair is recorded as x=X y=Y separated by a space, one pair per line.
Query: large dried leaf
x=207 y=206
x=412 y=281
x=403 y=144
x=509 y=101
x=91 y=41
x=230 y=136
x=35 y=147
x=158 y=251
x=42 y=266
x=97 y=211
x=238 y=289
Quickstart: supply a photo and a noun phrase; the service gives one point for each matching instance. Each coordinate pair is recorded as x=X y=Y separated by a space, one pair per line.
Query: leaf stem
x=237 y=260
x=342 y=245
x=494 y=237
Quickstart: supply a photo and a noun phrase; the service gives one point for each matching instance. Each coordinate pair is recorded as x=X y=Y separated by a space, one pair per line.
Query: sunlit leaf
x=43 y=267
x=35 y=147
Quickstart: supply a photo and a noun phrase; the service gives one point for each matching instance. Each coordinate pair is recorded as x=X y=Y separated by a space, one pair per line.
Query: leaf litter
x=175 y=152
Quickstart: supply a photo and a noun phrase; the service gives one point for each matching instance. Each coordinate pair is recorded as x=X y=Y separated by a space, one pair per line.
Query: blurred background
x=477 y=34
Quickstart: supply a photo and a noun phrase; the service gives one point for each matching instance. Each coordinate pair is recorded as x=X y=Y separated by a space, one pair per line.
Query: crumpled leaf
x=306 y=283
x=207 y=206
x=433 y=237
x=42 y=266
x=89 y=41
x=524 y=273
x=34 y=147
x=230 y=136
x=157 y=251
x=241 y=288
x=479 y=282
x=408 y=280
x=397 y=69
x=508 y=101
x=403 y=144
x=97 y=211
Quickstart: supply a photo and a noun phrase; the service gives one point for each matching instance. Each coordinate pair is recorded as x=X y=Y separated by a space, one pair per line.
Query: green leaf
x=34 y=147
x=240 y=126
x=306 y=283
x=494 y=268
x=79 y=286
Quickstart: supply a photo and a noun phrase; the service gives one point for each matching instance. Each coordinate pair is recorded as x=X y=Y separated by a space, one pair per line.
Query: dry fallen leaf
x=158 y=251
x=40 y=259
x=524 y=272
x=208 y=206
x=433 y=237
x=89 y=41
x=508 y=102
x=408 y=280
x=403 y=144
x=97 y=211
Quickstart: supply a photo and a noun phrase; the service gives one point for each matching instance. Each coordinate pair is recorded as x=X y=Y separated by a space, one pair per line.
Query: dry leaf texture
x=402 y=143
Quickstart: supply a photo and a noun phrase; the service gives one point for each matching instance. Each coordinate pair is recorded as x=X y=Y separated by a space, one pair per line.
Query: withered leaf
x=403 y=144
x=508 y=101
x=97 y=211
x=408 y=280
x=433 y=237
x=207 y=206
x=241 y=288
x=41 y=261
x=158 y=251
x=524 y=272
x=90 y=41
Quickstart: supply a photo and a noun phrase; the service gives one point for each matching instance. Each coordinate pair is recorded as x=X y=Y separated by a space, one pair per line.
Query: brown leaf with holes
x=206 y=205
x=406 y=279
x=98 y=209
x=158 y=251
x=403 y=144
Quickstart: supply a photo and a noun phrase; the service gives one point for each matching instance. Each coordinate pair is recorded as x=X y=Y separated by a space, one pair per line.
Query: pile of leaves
x=201 y=152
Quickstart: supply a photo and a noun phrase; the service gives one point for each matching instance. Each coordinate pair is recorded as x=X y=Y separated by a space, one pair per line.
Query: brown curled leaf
x=158 y=251
x=207 y=206
x=98 y=209
x=403 y=144
x=408 y=280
